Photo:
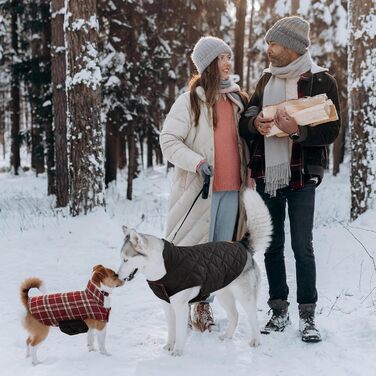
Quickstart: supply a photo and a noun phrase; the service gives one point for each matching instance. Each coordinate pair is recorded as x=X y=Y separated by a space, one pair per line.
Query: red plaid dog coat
x=53 y=308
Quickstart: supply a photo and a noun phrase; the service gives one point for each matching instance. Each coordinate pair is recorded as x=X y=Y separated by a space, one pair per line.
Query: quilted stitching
x=211 y=266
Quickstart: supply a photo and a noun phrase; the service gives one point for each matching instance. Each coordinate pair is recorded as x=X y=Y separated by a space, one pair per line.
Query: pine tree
x=4 y=78
x=83 y=91
x=58 y=69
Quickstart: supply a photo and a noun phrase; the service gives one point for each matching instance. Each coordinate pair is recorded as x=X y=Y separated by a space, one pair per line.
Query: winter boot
x=280 y=316
x=202 y=317
x=307 y=326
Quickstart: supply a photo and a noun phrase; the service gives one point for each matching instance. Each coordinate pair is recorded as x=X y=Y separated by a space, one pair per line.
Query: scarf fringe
x=277 y=177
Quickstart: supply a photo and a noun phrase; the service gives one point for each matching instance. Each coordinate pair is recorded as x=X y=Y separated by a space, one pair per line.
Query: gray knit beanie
x=291 y=32
x=206 y=50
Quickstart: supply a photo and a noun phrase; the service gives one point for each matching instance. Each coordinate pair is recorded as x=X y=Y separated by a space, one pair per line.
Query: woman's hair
x=209 y=80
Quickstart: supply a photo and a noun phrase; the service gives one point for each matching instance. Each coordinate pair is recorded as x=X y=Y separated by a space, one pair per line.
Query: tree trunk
x=250 y=47
x=362 y=107
x=58 y=70
x=112 y=135
x=132 y=159
x=48 y=118
x=339 y=149
x=86 y=168
x=150 y=147
x=115 y=13
x=15 y=95
x=35 y=91
x=241 y=9
x=2 y=122
x=294 y=7
x=122 y=149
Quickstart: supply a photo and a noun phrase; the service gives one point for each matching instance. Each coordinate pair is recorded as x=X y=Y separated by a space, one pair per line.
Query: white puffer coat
x=185 y=145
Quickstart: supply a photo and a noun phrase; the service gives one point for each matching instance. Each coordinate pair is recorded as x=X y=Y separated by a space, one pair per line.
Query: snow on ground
x=38 y=240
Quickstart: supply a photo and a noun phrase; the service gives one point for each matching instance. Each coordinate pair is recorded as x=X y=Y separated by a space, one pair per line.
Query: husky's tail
x=26 y=286
x=259 y=224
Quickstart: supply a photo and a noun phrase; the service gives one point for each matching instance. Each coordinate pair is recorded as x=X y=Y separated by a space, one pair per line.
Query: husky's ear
x=137 y=240
x=125 y=229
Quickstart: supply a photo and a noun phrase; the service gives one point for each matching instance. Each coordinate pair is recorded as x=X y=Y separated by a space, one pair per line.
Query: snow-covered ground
x=37 y=240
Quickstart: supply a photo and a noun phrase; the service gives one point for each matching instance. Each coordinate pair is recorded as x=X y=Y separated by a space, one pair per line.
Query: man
x=287 y=170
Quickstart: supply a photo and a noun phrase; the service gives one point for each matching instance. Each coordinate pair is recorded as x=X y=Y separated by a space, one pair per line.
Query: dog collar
x=96 y=292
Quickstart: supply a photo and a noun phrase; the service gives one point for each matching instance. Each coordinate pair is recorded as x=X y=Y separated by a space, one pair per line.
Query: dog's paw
x=254 y=342
x=177 y=352
x=168 y=346
x=90 y=348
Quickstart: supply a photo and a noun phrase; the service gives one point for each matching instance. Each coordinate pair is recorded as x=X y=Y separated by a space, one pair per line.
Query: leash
x=205 y=191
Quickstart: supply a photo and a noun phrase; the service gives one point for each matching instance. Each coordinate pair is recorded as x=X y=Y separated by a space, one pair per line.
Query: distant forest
x=86 y=84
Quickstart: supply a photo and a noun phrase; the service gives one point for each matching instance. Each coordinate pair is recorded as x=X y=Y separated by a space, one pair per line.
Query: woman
x=200 y=137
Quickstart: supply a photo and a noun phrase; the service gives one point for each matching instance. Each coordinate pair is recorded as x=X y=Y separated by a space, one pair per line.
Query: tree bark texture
x=112 y=135
x=86 y=168
x=294 y=7
x=58 y=70
x=362 y=104
x=35 y=91
x=48 y=117
x=132 y=158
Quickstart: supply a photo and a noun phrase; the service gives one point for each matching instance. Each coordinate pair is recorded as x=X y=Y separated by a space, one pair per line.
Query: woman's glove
x=205 y=169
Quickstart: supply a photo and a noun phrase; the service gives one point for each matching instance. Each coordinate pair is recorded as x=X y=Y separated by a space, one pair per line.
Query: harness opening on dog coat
x=54 y=308
x=211 y=266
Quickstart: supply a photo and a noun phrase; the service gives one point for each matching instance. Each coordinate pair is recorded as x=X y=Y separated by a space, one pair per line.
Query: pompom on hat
x=291 y=32
x=206 y=50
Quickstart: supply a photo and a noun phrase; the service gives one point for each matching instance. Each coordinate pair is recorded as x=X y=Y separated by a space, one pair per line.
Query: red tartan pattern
x=53 y=308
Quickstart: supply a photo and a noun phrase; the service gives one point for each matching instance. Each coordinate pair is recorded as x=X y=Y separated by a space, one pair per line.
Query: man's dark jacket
x=313 y=141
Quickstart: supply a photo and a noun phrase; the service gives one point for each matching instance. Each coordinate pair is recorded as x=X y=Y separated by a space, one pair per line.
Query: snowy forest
x=85 y=86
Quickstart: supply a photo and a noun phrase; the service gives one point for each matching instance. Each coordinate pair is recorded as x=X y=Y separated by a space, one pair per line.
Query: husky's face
x=132 y=254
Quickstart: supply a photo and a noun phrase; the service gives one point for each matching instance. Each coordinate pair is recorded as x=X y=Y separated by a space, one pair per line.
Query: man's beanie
x=291 y=32
x=206 y=50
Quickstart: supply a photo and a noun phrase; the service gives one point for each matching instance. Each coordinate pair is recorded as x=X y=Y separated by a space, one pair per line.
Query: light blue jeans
x=224 y=212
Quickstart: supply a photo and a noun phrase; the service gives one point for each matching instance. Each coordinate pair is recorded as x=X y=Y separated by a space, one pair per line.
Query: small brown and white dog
x=74 y=312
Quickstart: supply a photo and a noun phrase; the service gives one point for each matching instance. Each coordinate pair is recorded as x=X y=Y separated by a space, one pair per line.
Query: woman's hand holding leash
x=205 y=170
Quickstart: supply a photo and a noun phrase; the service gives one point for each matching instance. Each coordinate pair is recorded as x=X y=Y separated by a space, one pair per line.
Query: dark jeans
x=301 y=206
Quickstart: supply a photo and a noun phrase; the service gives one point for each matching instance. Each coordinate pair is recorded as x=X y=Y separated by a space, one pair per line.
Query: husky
x=183 y=275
